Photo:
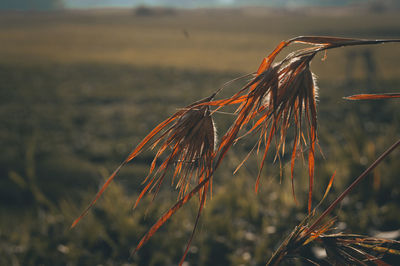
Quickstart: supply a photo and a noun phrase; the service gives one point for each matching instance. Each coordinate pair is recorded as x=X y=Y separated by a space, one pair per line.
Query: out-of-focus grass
x=78 y=90
x=81 y=117
x=234 y=40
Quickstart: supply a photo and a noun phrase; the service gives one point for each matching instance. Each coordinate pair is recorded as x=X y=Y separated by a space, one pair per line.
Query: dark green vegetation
x=66 y=123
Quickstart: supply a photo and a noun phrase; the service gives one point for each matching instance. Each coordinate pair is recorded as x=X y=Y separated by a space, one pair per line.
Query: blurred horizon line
x=26 y=5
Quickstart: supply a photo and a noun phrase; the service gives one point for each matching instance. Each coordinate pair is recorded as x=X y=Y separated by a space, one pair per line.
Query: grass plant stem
x=354 y=184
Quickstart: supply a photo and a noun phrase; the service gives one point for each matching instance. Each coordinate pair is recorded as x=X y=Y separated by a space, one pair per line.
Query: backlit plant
x=280 y=96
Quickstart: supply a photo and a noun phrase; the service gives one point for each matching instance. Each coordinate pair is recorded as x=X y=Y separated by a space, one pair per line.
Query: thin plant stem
x=353 y=185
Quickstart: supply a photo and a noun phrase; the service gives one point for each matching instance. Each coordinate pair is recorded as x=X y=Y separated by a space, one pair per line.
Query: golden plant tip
x=372 y=96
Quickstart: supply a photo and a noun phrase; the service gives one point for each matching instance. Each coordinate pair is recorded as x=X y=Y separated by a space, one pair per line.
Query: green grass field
x=79 y=89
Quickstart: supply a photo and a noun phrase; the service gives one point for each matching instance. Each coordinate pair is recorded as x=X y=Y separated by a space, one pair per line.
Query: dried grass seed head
x=190 y=144
x=281 y=95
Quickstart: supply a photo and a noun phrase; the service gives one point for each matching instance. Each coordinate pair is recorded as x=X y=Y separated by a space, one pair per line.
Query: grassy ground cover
x=78 y=90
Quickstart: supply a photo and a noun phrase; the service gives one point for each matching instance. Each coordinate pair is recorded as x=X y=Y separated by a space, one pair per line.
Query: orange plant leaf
x=169 y=213
x=202 y=203
x=97 y=195
x=372 y=96
x=160 y=127
x=130 y=157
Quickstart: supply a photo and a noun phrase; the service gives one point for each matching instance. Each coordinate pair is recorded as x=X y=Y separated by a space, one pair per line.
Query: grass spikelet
x=302 y=234
x=350 y=249
x=342 y=249
x=191 y=142
x=190 y=134
x=281 y=95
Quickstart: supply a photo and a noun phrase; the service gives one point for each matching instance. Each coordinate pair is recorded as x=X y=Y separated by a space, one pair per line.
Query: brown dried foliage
x=350 y=249
x=279 y=96
x=190 y=139
x=342 y=249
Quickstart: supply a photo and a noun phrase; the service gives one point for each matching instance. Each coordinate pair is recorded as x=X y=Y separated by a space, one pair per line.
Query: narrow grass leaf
x=373 y=96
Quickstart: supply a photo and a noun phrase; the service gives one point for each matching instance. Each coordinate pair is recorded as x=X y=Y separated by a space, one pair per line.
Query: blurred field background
x=79 y=89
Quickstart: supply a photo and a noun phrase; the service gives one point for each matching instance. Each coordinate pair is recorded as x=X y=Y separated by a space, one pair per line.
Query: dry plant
x=280 y=96
x=342 y=249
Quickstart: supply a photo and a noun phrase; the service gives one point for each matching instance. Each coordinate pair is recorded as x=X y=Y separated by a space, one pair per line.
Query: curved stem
x=353 y=185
